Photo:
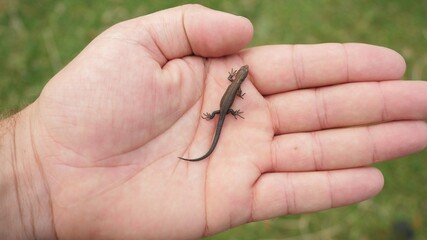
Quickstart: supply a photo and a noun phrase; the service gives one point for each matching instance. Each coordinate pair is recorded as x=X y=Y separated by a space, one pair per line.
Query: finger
x=281 y=68
x=186 y=30
x=346 y=148
x=348 y=105
x=276 y=194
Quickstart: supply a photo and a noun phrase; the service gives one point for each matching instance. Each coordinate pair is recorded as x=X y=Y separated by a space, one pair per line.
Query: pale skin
x=95 y=156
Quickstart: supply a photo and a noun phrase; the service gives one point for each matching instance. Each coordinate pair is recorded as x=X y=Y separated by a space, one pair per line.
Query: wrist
x=24 y=200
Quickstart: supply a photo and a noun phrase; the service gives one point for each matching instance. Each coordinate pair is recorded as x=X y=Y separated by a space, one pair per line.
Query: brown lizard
x=236 y=78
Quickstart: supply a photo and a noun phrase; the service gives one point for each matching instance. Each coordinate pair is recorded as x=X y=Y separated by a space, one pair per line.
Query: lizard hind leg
x=209 y=116
x=235 y=113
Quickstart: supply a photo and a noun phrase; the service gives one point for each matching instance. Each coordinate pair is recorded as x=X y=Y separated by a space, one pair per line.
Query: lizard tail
x=212 y=148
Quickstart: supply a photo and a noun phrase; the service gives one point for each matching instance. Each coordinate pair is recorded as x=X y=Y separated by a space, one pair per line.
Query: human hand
x=107 y=130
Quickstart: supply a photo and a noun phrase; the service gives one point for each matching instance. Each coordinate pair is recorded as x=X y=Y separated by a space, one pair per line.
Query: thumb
x=187 y=30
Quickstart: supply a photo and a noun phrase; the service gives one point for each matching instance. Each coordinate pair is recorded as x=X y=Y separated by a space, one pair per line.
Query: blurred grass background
x=38 y=38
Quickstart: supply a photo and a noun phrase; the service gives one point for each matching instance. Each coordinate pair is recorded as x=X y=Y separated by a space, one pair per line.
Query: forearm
x=24 y=200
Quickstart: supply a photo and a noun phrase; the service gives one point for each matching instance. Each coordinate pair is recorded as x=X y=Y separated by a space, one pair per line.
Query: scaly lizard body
x=236 y=78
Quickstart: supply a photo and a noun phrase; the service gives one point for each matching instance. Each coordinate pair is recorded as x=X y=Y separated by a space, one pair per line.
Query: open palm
x=109 y=128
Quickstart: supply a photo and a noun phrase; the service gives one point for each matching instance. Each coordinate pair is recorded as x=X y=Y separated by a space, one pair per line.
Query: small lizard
x=236 y=78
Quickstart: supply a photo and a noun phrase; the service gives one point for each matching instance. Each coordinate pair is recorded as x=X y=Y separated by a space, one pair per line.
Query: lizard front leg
x=239 y=93
x=231 y=75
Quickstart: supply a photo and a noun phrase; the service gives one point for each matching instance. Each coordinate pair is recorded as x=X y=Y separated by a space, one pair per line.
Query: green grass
x=38 y=38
